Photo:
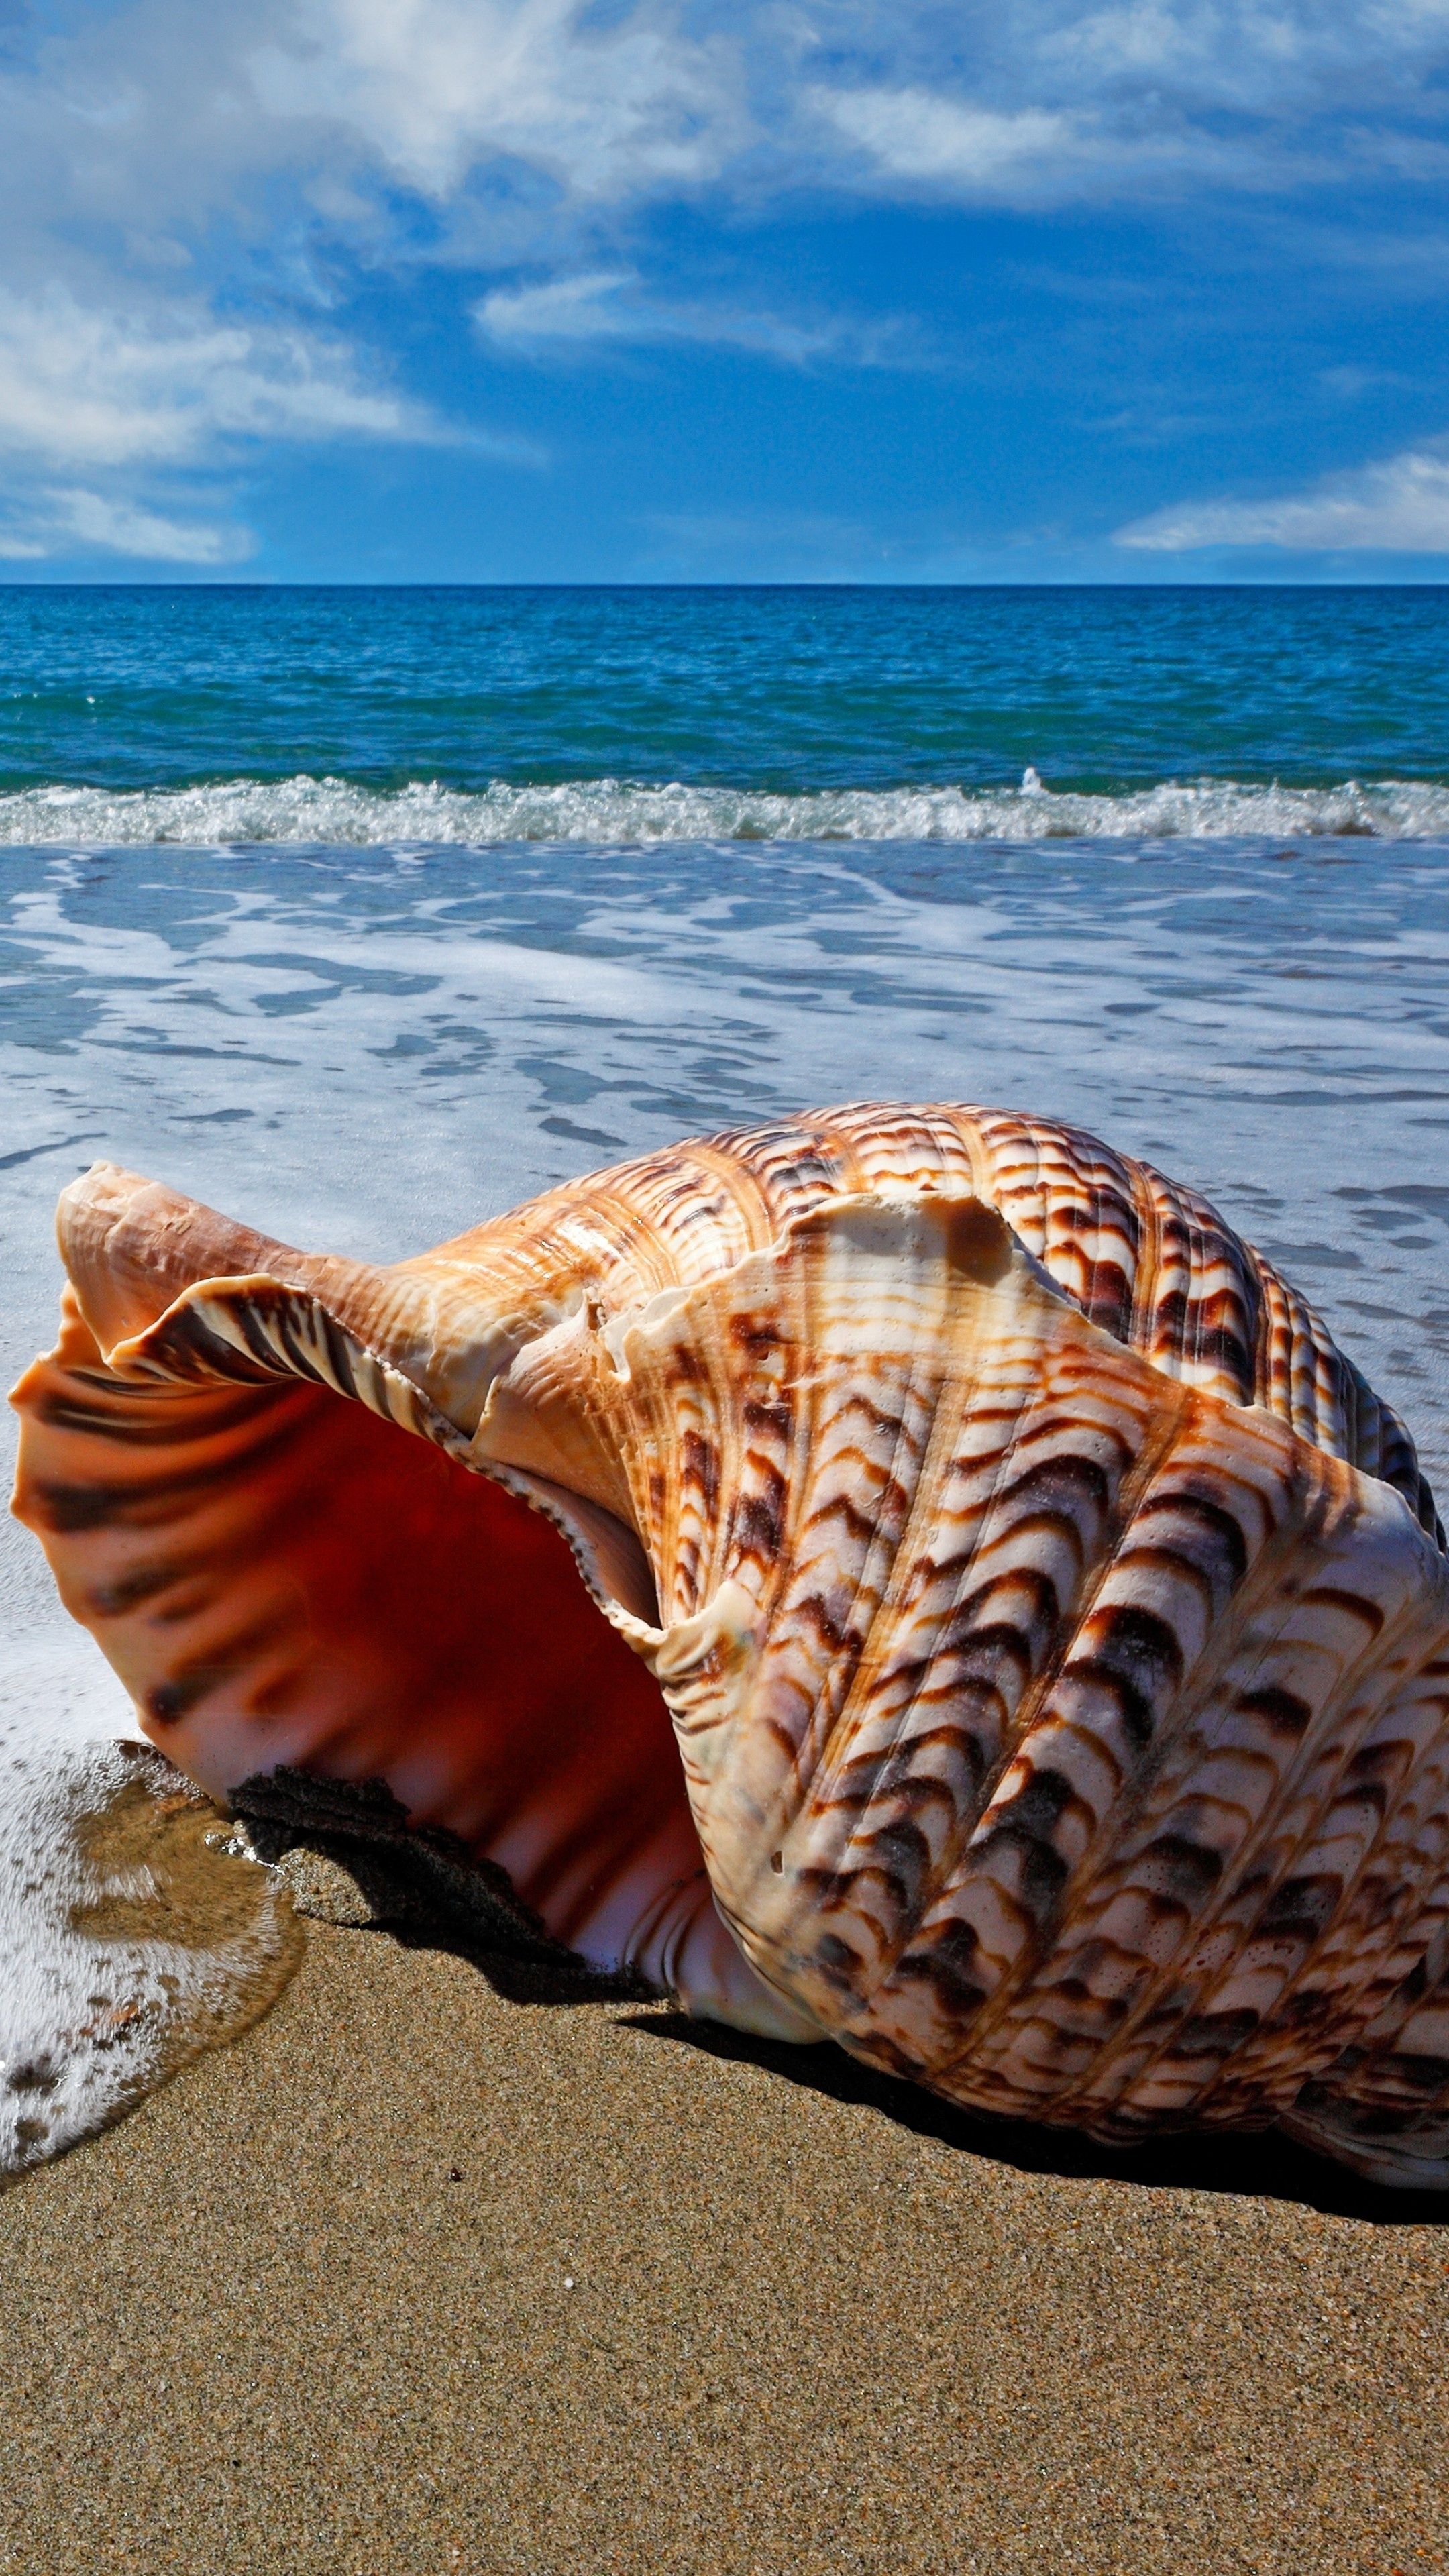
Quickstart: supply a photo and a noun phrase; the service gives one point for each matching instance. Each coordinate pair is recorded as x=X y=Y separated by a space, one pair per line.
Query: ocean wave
x=621 y=812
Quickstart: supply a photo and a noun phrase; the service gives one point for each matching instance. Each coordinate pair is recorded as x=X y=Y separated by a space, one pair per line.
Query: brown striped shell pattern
x=1025 y=1641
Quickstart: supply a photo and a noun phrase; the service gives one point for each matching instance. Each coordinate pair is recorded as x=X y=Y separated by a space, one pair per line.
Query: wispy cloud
x=120 y=394
x=88 y=387
x=1350 y=382
x=154 y=116
x=1399 y=506
x=1285 y=58
x=917 y=136
x=613 y=305
x=158 y=120
x=1046 y=99
x=562 y=308
x=190 y=197
x=434 y=86
x=76 y=522
x=778 y=545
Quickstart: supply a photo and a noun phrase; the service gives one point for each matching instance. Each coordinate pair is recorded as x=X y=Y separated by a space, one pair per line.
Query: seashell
x=1025 y=1650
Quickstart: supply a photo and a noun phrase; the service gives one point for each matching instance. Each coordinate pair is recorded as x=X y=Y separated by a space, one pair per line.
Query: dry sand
x=310 y=2309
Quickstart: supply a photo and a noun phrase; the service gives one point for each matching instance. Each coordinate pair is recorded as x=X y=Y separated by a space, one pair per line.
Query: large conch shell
x=1040 y=1631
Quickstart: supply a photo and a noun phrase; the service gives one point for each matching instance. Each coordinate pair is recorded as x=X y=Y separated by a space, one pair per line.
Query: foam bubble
x=128 y=1943
x=620 y=812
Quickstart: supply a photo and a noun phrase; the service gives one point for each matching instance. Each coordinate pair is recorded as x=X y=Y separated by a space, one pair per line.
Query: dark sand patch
x=308 y=2311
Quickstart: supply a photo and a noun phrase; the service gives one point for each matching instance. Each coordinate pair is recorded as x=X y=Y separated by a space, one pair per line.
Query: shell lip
x=606 y=1552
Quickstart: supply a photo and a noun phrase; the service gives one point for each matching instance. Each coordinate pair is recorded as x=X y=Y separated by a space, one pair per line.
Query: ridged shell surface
x=1053 y=1623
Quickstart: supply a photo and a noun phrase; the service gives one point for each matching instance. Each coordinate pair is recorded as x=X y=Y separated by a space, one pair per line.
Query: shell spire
x=1026 y=1642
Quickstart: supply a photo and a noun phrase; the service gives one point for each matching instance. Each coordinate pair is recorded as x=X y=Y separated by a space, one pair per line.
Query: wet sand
x=419 y=2277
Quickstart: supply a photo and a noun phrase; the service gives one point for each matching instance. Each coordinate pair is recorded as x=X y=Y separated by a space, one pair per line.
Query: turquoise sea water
x=363 y=914
x=355 y=715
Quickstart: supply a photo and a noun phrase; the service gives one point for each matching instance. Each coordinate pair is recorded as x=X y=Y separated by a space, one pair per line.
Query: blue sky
x=774 y=290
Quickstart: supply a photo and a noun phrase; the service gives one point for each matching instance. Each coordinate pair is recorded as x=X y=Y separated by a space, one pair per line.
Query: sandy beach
x=424 y=2275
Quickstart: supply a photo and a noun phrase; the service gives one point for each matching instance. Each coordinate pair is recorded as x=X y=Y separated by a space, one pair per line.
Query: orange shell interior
x=279 y=1576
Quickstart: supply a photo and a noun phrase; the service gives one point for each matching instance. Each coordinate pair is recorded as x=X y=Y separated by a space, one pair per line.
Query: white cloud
x=609 y=304
x=912 y=134
x=82 y=522
x=1261 y=56
x=566 y=308
x=85 y=387
x=1349 y=382
x=433 y=86
x=1031 y=100
x=1399 y=506
x=115 y=393
x=155 y=115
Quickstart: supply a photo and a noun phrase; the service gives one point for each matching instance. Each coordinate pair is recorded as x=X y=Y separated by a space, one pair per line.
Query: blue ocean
x=366 y=913
x=634 y=716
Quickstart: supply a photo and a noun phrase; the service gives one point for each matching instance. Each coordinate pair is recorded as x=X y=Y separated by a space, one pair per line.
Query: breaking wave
x=620 y=812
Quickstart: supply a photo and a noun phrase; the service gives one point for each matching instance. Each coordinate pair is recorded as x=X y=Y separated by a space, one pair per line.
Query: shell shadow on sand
x=380 y=1882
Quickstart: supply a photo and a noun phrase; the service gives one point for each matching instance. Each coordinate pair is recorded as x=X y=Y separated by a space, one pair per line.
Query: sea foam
x=129 y=1939
x=618 y=812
